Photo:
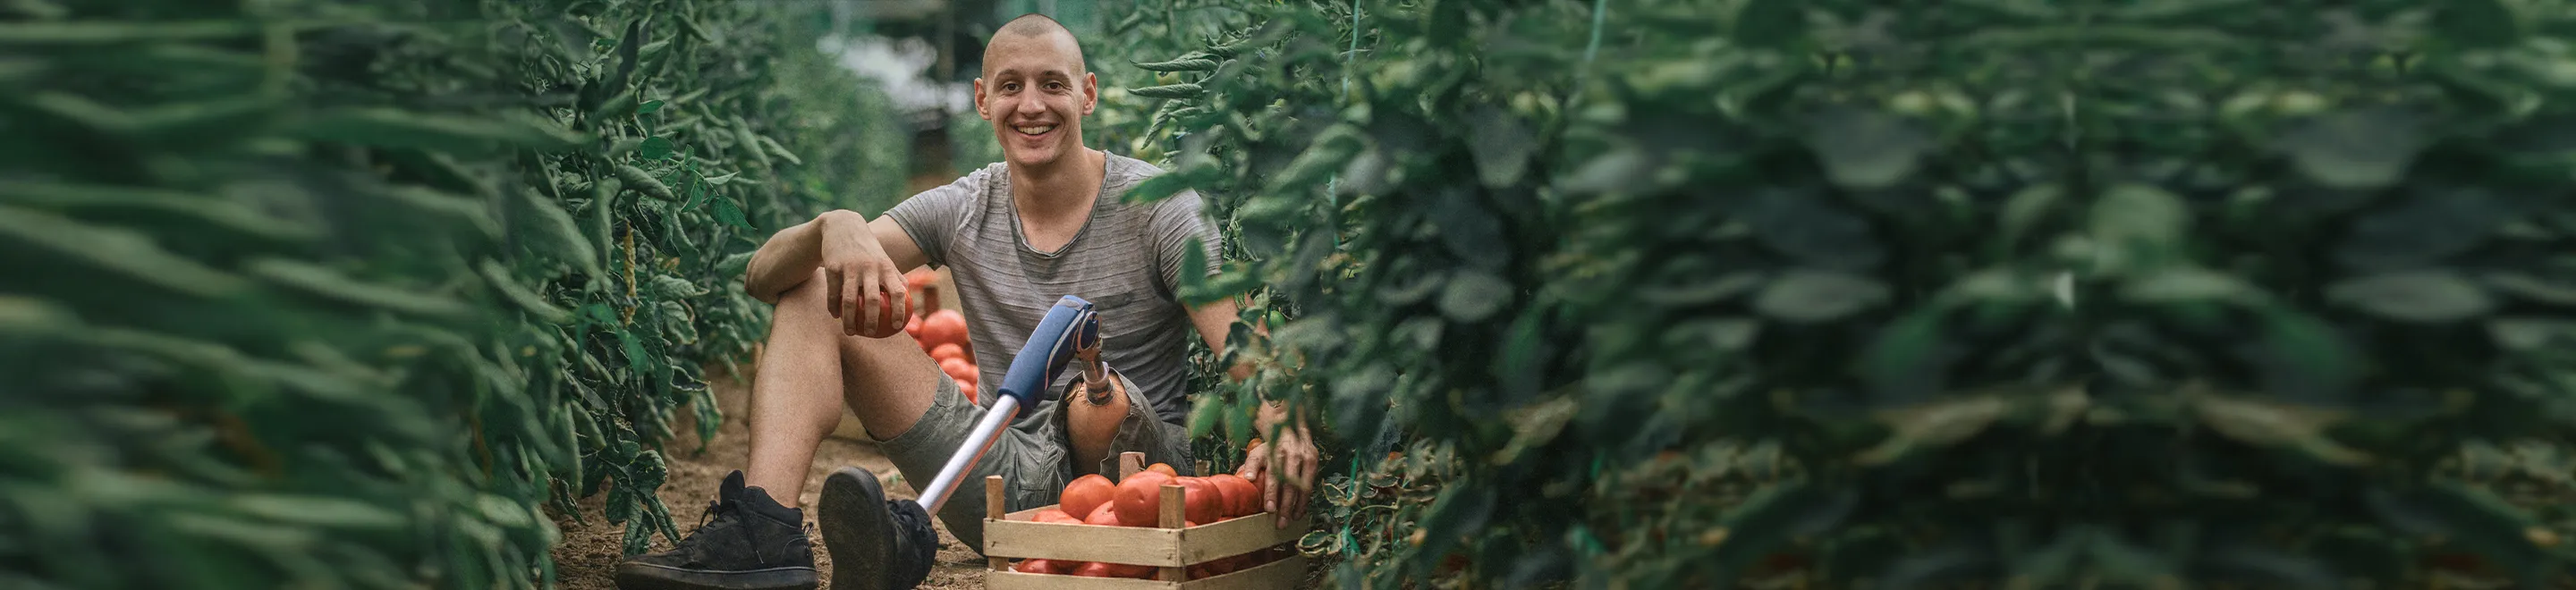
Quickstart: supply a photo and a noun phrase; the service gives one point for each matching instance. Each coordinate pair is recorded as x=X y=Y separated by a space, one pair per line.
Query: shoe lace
x=715 y=508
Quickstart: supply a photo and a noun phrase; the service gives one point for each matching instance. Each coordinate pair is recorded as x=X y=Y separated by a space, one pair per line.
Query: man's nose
x=1030 y=106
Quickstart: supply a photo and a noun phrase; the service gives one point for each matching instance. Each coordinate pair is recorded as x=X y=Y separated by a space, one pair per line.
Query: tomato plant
x=2058 y=292
x=340 y=295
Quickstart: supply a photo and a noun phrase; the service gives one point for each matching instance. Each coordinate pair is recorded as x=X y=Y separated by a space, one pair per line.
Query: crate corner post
x=995 y=510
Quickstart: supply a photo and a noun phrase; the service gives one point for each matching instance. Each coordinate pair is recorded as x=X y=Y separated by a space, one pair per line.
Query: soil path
x=588 y=555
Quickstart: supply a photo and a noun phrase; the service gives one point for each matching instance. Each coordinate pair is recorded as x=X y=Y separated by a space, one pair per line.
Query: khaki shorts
x=1033 y=455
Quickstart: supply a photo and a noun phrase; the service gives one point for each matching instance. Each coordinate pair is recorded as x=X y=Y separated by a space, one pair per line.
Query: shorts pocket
x=1037 y=472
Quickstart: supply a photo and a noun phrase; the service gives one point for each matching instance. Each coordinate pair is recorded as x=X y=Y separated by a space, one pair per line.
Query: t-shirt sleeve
x=933 y=217
x=1179 y=226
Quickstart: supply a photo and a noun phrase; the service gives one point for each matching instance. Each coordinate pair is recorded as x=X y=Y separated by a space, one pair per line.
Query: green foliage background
x=1892 y=295
x=338 y=294
x=1689 y=294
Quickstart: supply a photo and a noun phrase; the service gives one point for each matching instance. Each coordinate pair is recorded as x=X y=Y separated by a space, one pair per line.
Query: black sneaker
x=875 y=544
x=749 y=542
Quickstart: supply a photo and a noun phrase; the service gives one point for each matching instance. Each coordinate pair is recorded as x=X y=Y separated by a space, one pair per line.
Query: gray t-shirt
x=1126 y=261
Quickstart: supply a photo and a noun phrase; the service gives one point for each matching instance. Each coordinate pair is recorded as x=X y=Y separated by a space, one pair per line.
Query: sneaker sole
x=856 y=528
x=640 y=576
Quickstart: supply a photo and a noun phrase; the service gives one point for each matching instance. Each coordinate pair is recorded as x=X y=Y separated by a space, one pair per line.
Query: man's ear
x=979 y=100
x=1090 y=92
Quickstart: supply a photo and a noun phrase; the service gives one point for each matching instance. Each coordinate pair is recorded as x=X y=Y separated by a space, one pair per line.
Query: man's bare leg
x=808 y=370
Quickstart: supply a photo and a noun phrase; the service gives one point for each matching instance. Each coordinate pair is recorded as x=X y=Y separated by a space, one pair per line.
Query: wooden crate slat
x=1015 y=536
x=1276 y=575
x=1077 y=542
x=1237 y=536
x=1009 y=580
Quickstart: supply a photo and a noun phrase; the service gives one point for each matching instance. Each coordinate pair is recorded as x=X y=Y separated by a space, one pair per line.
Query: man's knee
x=812 y=292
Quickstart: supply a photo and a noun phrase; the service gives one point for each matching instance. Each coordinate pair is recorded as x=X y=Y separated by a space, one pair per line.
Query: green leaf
x=1769 y=24
x=648 y=107
x=654 y=148
x=731 y=214
x=1195 y=62
x=127 y=253
x=1808 y=296
x=1471 y=296
x=329 y=283
x=2478 y=24
x=2355 y=149
x=2530 y=333
x=520 y=294
x=1864 y=149
x=637 y=358
x=1905 y=363
x=644 y=182
x=1168 y=91
x=1771 y=517
x=2419 y=296
x=2138 y=227
x=384 y=127
x=1501 y=144
x=1209 y=411
x=2183 y=284
x=558 y=234
x=2266 y=422
x=317 y=511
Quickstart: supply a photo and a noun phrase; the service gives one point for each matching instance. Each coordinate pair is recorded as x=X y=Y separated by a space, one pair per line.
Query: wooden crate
x=1172 y=547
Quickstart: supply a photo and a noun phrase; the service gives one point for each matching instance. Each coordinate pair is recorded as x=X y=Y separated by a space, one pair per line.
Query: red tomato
x=1140 y=498
x=1043 y=566
x=1205 y=502
x=1086 y=493
x=1241 y=497
x=1105 y=515
x=945 y=326
x=958 y=369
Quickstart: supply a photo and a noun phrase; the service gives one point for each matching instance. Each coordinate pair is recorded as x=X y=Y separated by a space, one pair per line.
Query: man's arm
x=1284 y=464
x=855 y=250
x=790 y=255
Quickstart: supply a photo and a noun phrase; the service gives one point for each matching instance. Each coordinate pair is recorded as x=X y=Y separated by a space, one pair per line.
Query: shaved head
x=1035 y=27
x=1035 y=91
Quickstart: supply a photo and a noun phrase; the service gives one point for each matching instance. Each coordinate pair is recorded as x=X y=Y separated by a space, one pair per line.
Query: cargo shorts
x=1034 y=455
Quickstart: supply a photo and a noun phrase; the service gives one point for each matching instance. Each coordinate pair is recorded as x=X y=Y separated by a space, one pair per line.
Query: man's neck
x=1059 y=190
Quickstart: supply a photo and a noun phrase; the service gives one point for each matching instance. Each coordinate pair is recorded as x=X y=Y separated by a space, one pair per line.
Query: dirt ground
x=588 y=555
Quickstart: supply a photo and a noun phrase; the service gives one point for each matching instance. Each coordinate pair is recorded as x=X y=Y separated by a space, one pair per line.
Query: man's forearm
x=789 y=257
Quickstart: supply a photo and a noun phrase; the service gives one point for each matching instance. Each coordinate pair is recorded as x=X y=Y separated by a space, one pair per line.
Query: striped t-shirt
x=1126 y=261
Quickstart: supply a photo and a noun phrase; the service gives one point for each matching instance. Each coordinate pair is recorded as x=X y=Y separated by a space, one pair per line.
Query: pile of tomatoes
x=941 y=332
x=1137 y=502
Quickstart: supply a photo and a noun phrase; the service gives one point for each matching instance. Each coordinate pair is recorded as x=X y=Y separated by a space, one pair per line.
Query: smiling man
x=1016 y=235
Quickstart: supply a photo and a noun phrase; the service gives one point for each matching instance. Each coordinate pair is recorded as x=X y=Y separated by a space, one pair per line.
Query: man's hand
x=1283 y=467
x=864 y=280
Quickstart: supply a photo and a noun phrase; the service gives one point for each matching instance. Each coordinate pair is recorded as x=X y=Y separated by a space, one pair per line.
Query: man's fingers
x=1251 y=468
x=902 y=296
x=850 y=303
x=832 y=294
x=1292 y=504
x=872 y=302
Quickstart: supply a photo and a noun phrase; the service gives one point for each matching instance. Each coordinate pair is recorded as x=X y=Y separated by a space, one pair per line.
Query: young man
x=1016 y=235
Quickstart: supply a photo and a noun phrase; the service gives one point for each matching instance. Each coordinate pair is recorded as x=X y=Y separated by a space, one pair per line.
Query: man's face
x=1035 y=93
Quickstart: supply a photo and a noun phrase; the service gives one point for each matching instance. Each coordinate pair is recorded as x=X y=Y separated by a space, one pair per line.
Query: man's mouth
x=1034 y=130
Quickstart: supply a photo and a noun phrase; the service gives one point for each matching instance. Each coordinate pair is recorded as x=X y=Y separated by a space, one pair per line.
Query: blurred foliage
x=2004 y=293
x=338 y=294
